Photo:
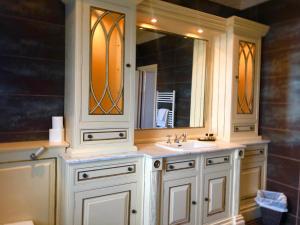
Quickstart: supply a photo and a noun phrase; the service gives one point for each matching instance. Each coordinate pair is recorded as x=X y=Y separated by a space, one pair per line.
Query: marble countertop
x=146 y=150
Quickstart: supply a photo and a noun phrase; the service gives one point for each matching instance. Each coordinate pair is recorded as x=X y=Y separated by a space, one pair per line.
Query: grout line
x=284 y=157
x=283 y=184
x=278 y=129
x=31 y=95
x=33 y=58
x=36 y=20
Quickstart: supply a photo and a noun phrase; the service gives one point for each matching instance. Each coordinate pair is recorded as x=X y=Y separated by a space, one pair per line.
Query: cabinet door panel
x=177 y=201
x=251 y=180
x=102 y=207
x=28 y=192
x=107 y=206
x=107 y=47
x=216 y=196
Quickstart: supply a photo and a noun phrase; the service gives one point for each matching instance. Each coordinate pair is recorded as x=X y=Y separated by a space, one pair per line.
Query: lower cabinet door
x=107 y=206
x=27 y=191
x=179 y=202
x=216 y=196
x=252 y=179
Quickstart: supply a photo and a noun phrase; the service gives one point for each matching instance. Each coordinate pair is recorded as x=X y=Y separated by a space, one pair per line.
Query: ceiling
x=239 y=4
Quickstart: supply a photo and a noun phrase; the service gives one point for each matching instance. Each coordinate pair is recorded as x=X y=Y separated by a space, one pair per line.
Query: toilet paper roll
x=57 y=122
x=56 y=135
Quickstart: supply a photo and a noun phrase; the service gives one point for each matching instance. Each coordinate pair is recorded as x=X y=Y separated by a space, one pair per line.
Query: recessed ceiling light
x=200 y=31
x=153 y=20
x=141 y=28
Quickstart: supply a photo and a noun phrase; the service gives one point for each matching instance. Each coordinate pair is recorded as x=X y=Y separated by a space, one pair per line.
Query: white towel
x=162 y=117
x=21 y=223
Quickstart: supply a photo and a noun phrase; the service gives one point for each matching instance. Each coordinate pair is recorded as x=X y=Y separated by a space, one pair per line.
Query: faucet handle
x=184 y=137
x=169 y=139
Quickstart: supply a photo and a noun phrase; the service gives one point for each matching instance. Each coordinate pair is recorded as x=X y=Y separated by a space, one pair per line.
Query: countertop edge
x=29 y=145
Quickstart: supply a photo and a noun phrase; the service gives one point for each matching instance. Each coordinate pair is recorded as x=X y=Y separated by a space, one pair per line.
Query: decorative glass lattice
x=246 y=76
x=106 y=94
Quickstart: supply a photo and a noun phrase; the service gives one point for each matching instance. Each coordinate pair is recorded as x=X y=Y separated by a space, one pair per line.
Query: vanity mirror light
x=170 y=80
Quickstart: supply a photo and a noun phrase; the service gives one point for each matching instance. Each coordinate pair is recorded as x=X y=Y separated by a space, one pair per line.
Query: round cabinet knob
x=241 y=153
x=226 y=159
x=194 y=202
x=156 y=164
x=171 y=167
x=90 y=136
x=210 y=161
x=85 y=176
x=206 y=199
x=128 y=65
x=134 y=211
x=191 y=164
x=130 y=169
x=121 y=134
x=261 y=151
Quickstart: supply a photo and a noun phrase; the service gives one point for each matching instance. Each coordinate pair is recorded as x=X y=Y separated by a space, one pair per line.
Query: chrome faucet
x=184 y=137
x=176 y=139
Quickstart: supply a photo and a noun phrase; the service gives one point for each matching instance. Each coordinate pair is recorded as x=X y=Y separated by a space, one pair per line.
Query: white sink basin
x=190 y=145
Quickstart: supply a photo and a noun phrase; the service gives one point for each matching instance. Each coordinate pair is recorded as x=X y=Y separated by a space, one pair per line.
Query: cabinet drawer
x=107 y=135
x=254 y=152
x=90 y=174
x=209 y=161
x=171 y=166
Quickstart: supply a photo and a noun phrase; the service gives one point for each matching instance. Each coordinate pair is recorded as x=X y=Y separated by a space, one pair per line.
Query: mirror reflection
x=170 y=80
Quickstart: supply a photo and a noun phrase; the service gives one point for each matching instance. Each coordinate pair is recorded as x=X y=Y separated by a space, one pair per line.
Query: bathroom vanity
x=120 y=168
x=113 y=167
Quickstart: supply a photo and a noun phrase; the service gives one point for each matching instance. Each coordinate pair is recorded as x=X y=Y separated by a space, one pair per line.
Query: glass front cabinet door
x=246 y=85
x=103 y=42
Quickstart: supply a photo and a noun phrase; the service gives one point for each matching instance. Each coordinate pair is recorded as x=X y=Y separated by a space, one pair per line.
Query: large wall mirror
x=170 y=80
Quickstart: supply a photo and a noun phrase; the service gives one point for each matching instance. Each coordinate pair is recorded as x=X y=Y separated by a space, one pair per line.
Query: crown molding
x=241 y=25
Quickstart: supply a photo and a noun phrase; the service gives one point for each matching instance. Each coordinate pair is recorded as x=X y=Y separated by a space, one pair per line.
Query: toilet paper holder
x=39 y=151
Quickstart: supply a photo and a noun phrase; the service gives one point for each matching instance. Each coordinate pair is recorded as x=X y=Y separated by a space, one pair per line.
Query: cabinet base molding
x=235 y=220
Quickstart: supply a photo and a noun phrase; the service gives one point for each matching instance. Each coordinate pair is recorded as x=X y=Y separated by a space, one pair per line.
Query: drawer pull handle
x=134 y=211
x=194 y=202
x=210 y=161
x=191 y=164
x=226 y=159
x=85 y=176
x=206 y=199
x=171 y=167
x=121 y=135
x=90 y=136
x=130 y=169
x=128 y=65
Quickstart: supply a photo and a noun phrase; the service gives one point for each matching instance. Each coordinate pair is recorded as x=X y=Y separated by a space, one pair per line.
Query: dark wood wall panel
x=31 y=67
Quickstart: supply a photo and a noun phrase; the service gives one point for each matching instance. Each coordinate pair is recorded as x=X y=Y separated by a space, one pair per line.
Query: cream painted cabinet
x=115 y=205
x=100 y=69
x=179 y=202
x=216 y=196
x=27 y=191
x=246 y=72
x=252 y=179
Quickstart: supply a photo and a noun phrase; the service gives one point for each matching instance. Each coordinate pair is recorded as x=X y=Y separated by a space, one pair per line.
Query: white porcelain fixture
x=190 y=145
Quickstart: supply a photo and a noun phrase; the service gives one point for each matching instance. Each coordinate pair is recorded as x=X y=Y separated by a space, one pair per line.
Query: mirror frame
x=182 y=28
